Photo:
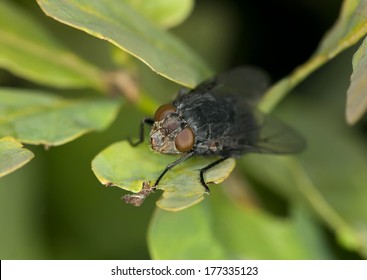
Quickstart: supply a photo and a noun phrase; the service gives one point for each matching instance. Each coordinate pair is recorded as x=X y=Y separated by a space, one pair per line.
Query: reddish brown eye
x=185 y=140
x=163 y=111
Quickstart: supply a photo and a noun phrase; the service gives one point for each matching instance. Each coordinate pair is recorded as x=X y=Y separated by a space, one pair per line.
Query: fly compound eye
x=163 y=111
x=185 y=139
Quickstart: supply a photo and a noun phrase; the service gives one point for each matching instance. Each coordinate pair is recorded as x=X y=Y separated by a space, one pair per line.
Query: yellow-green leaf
x=12 y=155
x=166 y=13
x=28 y=50
x=37 y=117
x=357 y=91
x=129 y=167
x=118 y=23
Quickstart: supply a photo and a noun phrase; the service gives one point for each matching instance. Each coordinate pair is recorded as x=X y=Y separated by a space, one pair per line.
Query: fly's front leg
x=144 y=121
x=206 y=168
x=171 y=165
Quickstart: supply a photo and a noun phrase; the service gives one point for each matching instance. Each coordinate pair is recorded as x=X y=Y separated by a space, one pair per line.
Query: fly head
x=170 y=133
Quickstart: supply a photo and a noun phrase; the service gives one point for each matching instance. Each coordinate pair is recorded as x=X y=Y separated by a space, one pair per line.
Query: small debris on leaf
x=108 y=184
x=137 y=199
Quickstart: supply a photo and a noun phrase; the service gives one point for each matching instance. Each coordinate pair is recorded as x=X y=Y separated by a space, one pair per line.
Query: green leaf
x=357 y=91
x=129 y=167
x=166 y=13
x=37 y=117
x=12 y=155
x=29 y=51
x=350 y=27
x=220 y=228
x=120 y=24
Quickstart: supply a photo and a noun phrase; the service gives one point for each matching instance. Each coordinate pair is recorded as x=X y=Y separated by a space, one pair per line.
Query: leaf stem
x=280 y=89
x=305 y=185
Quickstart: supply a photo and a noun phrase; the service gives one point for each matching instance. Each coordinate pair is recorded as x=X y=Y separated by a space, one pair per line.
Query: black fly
x=219 y=118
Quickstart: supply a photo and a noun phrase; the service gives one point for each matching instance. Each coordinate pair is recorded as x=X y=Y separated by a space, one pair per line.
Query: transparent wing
x=249 y=82
x=275 y=137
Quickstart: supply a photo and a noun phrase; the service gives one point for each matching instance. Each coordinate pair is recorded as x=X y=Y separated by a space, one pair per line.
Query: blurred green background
x=55 y=208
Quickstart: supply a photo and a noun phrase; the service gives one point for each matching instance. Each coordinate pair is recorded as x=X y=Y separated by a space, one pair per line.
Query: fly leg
x=138 y=198
x=206 y=168
x=171 y=165
x=148 y=121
